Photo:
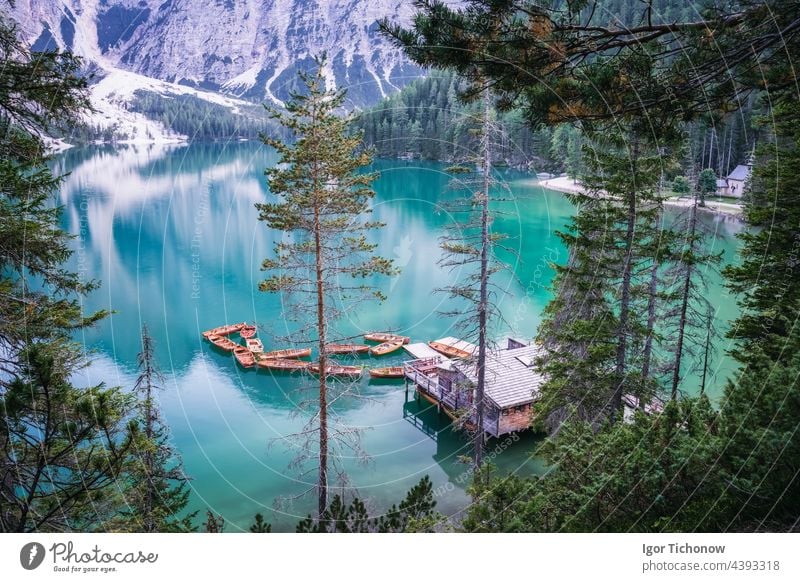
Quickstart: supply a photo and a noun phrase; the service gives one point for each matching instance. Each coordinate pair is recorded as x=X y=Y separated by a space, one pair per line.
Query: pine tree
x=767 y=278
x=260 y=526
x=159 y=490
x=473 y=244
x=323 y=200
x=42 y=93
x=706 y=184
x=688 y=318
x=593 y=332
x=414 y=514
x=61 y=447
x=64 y=448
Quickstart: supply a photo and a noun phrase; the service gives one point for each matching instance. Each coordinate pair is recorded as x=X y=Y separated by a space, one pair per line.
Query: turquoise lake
x=172 y=234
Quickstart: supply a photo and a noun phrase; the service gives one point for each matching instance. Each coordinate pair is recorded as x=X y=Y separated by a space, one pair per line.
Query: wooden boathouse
x=512 y=383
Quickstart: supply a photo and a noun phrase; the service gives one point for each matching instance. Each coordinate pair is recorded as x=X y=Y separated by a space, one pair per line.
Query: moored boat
x=254 y=345
x=386 y=348
x=449 y=351
x=290 y=354
x=224 y=329
x=337 y=370
x=248 y=331
x=381 y=337
x=222 y=342
x=282 y=364
x=390 y=372
x=346 y=349
x=244 y=356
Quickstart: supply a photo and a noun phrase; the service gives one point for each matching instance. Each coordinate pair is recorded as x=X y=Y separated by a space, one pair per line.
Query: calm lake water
x=173 y=235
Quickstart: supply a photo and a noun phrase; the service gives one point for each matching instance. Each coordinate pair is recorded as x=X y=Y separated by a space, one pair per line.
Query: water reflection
x=172 y=233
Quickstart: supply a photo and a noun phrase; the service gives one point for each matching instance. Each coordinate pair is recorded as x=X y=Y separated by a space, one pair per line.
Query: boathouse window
x=445 y=383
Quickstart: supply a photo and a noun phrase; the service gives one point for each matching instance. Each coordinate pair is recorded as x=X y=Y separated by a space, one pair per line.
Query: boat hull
x=244 y=357
x=222 y=342
x=386 y=337
x=390 y=372
x=341 y=371
x=283 y=365
x=449 y=351
x=224 y=330
x=289 y=354
x=247 y=331
x=332 y=349
x=385 y=348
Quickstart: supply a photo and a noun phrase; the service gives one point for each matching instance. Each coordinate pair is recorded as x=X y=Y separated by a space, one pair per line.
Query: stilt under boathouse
x=512 y=383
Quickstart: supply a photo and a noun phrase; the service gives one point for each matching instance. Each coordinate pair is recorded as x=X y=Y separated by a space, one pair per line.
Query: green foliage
x=690 y=468
x=324 y=262
x=566 y=147
x=157 y=489
x=762 y=452
x=63 y=448
x=41 y=92
x=767 y=278
x=706 y=184
x=650 y=475
x=593 y=330
x=609 y=65
x=427 y=119
x=322 y=196
x=415 y=512
x=260 y=526
x=680 y=185
x=199 y=119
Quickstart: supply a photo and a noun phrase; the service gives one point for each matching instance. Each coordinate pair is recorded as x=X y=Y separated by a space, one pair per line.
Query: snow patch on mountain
x=248 y=49
x=116 y=90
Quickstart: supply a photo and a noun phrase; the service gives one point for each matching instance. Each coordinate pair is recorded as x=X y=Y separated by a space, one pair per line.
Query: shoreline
x=568 y=186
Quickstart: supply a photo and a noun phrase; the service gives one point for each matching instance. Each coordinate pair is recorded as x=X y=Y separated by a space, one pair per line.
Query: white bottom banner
x=120 y=557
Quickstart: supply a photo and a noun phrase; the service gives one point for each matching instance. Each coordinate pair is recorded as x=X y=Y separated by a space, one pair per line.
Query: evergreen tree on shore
x=62 y=448
x=159 y=490
x=324 y=262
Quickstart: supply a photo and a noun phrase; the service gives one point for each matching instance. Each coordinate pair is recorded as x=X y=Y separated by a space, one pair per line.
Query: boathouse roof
x=740 y=172
x=511 y=377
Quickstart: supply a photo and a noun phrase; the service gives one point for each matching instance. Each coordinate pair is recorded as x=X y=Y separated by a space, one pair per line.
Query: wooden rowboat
x=346 y=349
x=386 y=337
x=222 y=342
x=244 y=357
x=385 y=348
x=224 y=329
x=288 y=354
x=280 y=364
x=255 y=345
x=449 y=351
x=390 y=372
x=247 y=331
x=336 y=370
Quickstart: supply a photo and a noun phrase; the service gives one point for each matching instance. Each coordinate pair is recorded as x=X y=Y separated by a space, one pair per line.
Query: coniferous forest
x=634 y=101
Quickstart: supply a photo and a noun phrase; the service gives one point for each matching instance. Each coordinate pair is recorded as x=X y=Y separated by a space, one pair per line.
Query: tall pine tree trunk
x=483 y=306
x=709 y=317
x=323 y=387
x=685 y=292
x=652 y=290
x=149 y=429
x=625 y=296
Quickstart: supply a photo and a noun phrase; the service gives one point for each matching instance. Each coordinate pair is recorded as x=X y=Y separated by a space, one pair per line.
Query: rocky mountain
x=248 y=49
x=227 y=52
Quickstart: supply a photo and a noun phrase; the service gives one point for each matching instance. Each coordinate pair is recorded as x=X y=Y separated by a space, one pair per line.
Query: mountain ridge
x=228 y=51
